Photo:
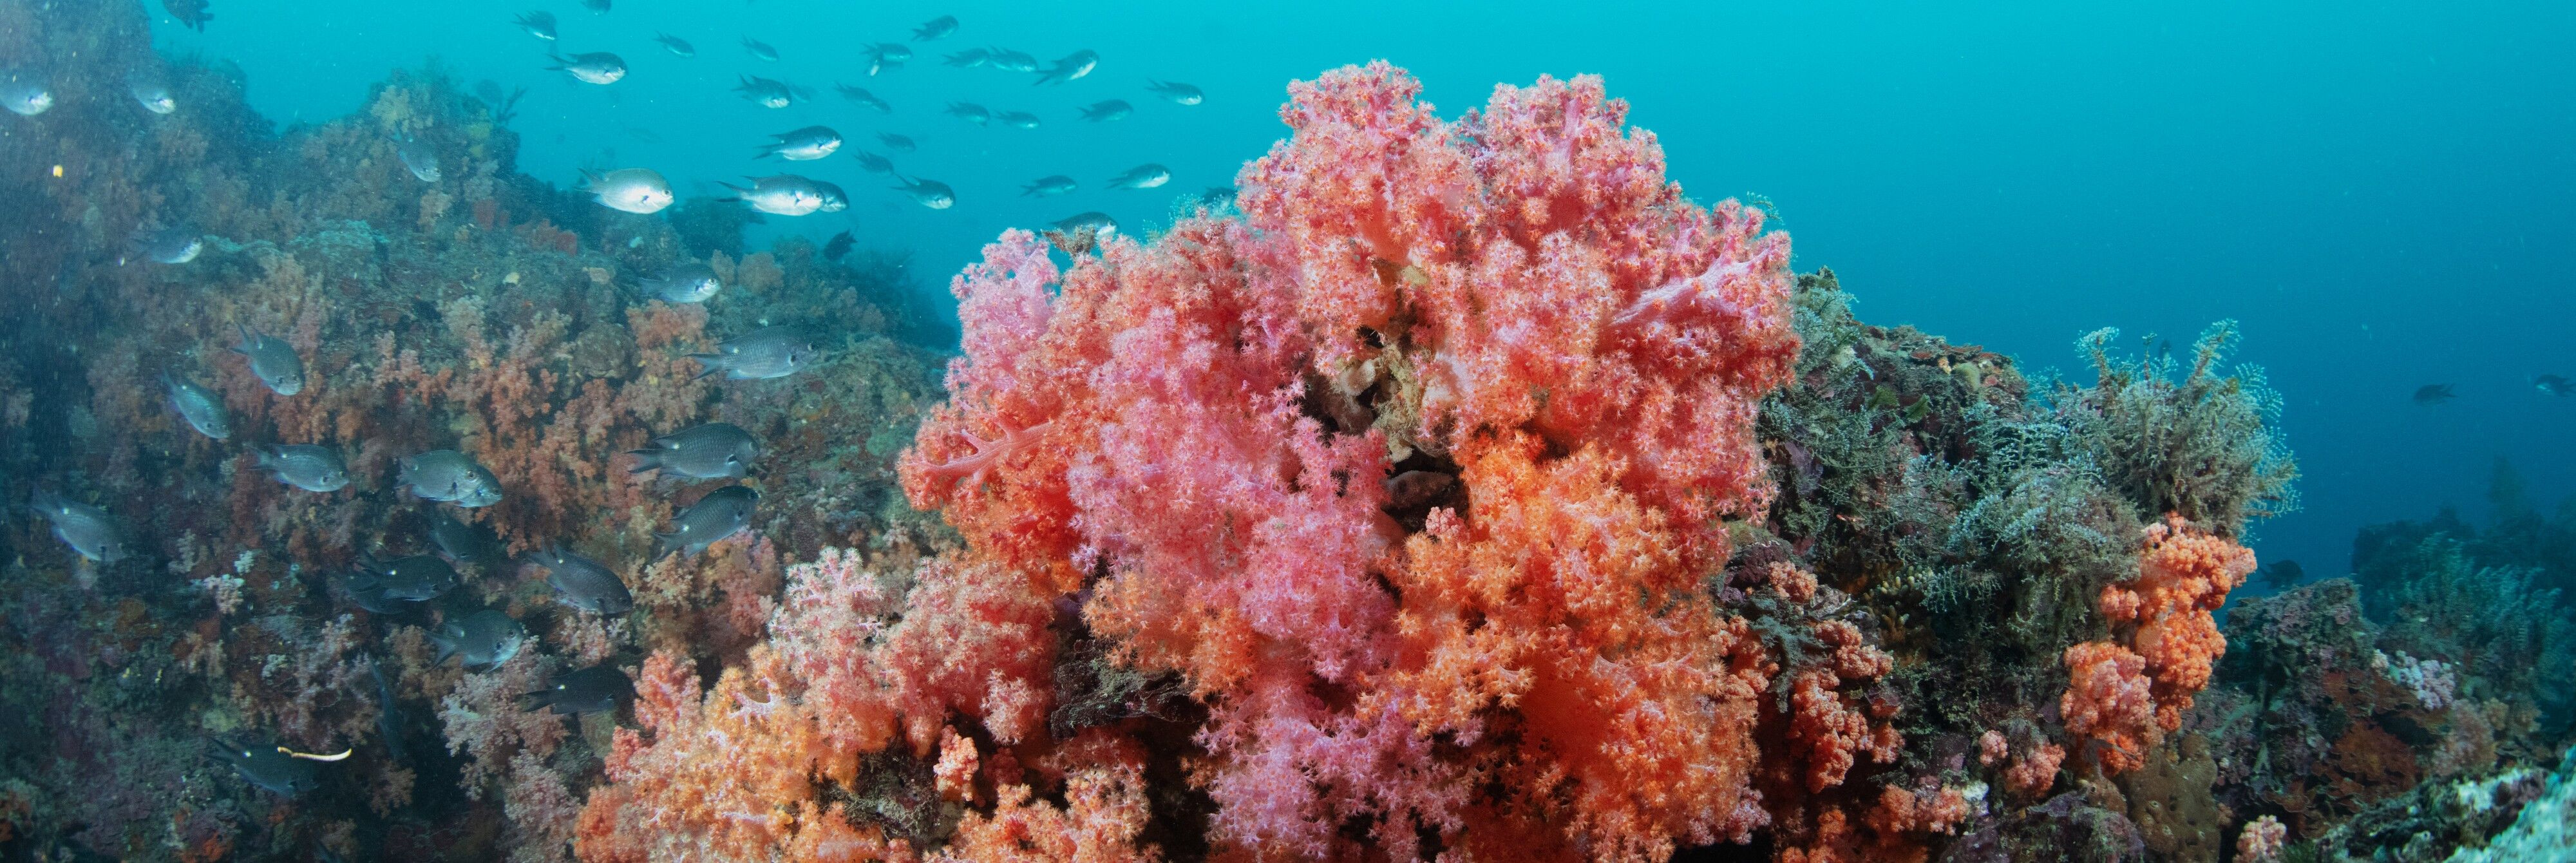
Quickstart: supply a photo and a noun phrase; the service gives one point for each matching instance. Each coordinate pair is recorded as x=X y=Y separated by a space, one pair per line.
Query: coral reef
x=1463 y=490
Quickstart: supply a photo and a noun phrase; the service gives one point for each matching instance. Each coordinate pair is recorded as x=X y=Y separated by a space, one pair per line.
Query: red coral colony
x=1462 y=490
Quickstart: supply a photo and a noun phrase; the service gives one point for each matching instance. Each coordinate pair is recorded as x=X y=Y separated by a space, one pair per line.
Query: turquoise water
x=2380 y=192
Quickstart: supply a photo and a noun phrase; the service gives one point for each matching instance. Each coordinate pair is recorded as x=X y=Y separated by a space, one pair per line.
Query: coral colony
x=1460 y=490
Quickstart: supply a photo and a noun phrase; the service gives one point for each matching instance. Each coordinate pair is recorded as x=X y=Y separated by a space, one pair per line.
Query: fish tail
x=663 y=545
x=645 y=459
x=713 y=362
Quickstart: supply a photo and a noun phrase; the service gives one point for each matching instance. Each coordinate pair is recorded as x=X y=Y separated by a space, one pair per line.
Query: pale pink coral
x=2263 y=840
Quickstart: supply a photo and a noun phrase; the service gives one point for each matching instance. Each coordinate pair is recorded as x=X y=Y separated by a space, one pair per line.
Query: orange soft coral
x=1101 y=820
x=2124 y=696
x=2107 y=702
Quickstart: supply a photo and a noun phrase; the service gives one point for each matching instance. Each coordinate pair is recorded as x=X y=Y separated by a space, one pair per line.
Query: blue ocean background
x=2383 y=194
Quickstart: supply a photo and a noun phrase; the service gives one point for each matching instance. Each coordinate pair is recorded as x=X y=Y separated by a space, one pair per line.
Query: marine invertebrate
x=2170 y=642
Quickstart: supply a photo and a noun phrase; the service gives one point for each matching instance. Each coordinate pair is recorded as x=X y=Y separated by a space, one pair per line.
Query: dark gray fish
x=935 y=28
x=418 y=156
x=760 y=49
x=583 y=583
x=1107 y=110
x=834 y=200
x=838 y=246
x=173 y=245
x=1176 y=93
x=273 y=361
x=1145 y=176
x=928 y=193
x=768 y=352
x=597 y=689
x=1069 y=67
x=863 y=97
x=969 y=58
x=450 y=476
x=151 y=90
x=271 y=768
x=305 y=466
x=2434 y=394
x=676 y=45
x=1217 y=196
x=764 y=92
x=711 y=451
x=802 y=145
x=1018 y=119
x=203 y=410
x=389 y=718
x=467 y=543
x=538 y=24
x=1011 y=61
x=874 y=163
x=481 y=640
x=683 y=283
x=192 y=14
x=897 y=143
x=970 y=112
x=90 y=531
x=886 y=55
x=418 y=578
x=722 y=513
x=1048 y=187
x=782 y=194
x=596 y=67
x=1082 y=232
x=2556 y=385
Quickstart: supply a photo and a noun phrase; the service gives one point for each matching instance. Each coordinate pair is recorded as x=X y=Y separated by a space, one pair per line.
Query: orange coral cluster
x=2124 y=697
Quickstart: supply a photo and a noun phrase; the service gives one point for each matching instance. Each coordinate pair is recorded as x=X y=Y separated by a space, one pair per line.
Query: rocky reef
x=1462 y=489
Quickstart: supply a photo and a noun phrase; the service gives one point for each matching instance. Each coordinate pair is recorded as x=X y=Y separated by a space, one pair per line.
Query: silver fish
x=684 y=283
x=273 y=361
x=451 y=476
x=969 y=58
x=1048 y=187
x=897 y=143
x=1018 y=119
x=886 y=55
x=420 y=157
x=389 y=717
x=768 y=352
x=1145 y=176
x=803 y=145
x=970 y=112
x=150 y=90
x=273 y=769
x=483 y=639
x=929 y=193
x=305 y=466
x=630 y=190
x=764 y=92
x=760 y=49
x=676 y=45
x=782 y=194
x=583 y=583
x=538 y=24
x=711 y=451
x=465 y=543
x=172 y=245
x=90 y=531
x=1012 y=61
x=1218 y=196
x=1069 y=67
x=935 y=28
x=597 y=689
x=418 y=578
x=1176 y=93
x=834 y=200
x=26 y=93
x=1111 y=109
x=863 y=97
x=203 y=410
x=597 y=67
x=721 y=513
x=872 y=162
x=1082 y=232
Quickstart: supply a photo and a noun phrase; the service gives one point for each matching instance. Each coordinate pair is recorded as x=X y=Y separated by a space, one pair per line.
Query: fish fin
x=710 y=361
x=663 y=545
x=645 y=459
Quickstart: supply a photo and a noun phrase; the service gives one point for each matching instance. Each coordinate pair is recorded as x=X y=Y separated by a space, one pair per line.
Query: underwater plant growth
x=1459 y=488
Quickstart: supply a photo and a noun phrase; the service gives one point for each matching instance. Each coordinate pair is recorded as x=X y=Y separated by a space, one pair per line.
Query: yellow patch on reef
x=392 y=107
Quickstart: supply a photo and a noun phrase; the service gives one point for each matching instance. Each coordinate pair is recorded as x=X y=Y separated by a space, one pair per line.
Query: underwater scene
x=802 y=430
